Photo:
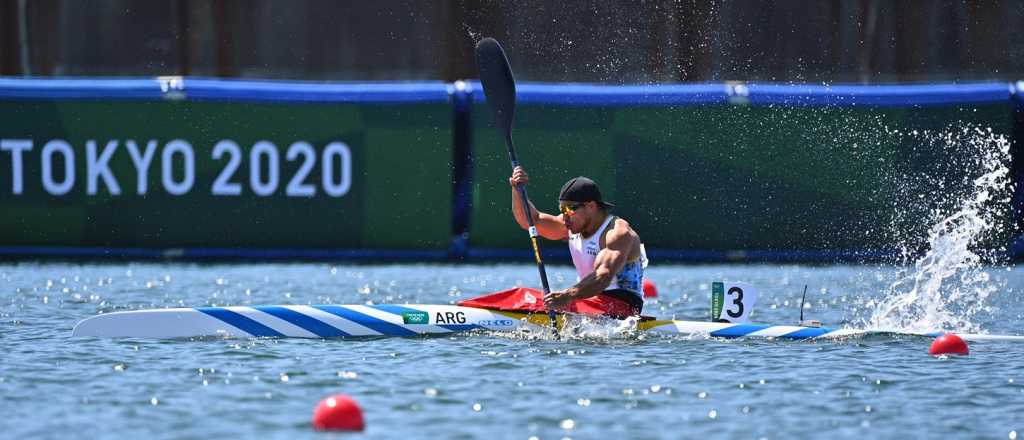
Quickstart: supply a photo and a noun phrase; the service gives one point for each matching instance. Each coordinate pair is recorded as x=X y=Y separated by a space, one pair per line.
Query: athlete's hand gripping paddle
x=500 y=89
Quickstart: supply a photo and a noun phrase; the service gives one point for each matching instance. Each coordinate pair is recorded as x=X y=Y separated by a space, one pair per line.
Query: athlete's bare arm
x=548 y=226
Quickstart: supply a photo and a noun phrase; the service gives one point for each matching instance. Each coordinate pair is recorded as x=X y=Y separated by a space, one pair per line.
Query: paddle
x=500 y=89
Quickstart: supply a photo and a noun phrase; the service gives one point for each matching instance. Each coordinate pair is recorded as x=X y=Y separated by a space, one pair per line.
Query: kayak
x=331 y=321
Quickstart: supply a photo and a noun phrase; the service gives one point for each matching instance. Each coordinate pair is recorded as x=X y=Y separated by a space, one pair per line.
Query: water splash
x=600 y=328
x=580 y=328
x=948 y=286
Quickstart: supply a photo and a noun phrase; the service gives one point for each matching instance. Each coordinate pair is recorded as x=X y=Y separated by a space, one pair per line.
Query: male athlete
x=605 y=250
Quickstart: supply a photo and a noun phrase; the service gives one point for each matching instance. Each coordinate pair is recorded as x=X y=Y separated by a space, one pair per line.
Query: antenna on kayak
x=809 y=322
x=802 y=299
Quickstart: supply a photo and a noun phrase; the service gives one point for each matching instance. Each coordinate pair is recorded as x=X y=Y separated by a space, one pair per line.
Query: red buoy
x=338 y=412
x=650 y=290
x=948 y=344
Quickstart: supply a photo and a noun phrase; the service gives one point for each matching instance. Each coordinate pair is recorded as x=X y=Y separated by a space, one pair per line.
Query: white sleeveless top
x=584 y=253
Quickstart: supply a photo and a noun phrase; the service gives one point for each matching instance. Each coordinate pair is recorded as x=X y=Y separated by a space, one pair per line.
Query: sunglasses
x=570 y=209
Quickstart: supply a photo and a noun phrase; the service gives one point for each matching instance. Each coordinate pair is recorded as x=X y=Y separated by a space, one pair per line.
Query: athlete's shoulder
x=620 y=229
x=621 y=225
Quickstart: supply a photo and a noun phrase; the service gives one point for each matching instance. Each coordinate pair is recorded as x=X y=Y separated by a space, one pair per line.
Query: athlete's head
x=580 y=202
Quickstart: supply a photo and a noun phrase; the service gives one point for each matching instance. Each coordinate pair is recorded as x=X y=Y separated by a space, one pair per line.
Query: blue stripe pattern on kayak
x=738 y=330
x=306 y=322
x=240 y=321
x=378 y=325
x=805 y=333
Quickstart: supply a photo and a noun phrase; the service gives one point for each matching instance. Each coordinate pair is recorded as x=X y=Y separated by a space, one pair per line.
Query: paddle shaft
x=525 y=201
x=500 y=88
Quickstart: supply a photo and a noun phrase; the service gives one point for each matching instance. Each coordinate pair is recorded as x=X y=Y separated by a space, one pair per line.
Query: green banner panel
x=169 y=174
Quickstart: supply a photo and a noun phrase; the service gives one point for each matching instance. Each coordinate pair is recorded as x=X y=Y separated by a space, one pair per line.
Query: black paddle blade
x=499 y=85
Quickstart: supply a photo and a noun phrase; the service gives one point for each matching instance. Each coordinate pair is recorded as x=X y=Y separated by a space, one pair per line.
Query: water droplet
x=119 y=367
x=430 y=392
x=348 y=374
x=1013 y=435
x=567 y=424
x=583 y=402
x=655 y=388
x=477 y=407
x=284 y=378
x=154 y=402
x=712 y=414
x=702 y=395
x=867 y=408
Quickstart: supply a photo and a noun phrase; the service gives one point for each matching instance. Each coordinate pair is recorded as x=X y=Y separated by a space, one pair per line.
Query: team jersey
x=584 y=253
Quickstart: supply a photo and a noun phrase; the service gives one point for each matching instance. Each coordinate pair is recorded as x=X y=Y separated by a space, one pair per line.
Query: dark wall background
x=612 y=41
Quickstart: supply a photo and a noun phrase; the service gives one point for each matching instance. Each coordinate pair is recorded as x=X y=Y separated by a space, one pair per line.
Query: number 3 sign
x=732 y=302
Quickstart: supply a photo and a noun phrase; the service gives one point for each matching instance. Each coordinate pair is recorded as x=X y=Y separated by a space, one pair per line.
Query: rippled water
x=492 y=386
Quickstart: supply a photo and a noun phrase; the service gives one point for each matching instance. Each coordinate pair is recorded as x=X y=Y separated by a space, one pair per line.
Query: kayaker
x=606 y=251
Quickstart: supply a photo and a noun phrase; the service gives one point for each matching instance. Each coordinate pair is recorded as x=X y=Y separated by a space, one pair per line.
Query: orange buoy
x=338 y=412
x=948 y=344
x=650 y=290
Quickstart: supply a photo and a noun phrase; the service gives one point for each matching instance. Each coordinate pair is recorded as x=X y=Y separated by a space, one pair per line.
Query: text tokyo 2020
x=53 y=166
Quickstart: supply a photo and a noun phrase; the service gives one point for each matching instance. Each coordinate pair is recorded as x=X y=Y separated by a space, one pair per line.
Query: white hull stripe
x=363 y=316
x=350 y=328
x=241 y=322
x=278 y=318
x=778 y=331
x=314 y=327
x=304 y=321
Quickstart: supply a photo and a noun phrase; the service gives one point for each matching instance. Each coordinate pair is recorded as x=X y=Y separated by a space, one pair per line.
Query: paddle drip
x=948 y=285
